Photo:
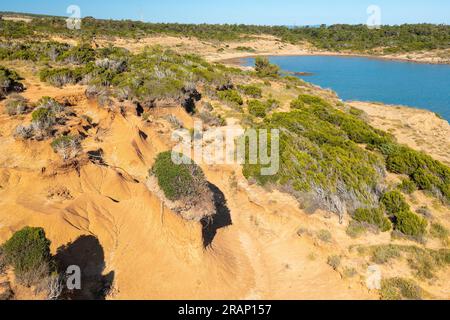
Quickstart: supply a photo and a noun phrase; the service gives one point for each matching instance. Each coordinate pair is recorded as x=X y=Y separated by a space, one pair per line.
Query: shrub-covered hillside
x=332 y=159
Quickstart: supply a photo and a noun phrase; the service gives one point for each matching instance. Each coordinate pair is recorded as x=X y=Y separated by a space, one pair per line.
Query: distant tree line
x=400 y=38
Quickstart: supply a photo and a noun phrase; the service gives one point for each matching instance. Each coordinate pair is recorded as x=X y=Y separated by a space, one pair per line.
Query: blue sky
x=271 y=12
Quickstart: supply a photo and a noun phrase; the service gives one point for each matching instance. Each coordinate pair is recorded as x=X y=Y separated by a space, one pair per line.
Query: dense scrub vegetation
x=331 y=158
x=321 y=162
x=391 y=39
x=113 y=73
x=428 y=174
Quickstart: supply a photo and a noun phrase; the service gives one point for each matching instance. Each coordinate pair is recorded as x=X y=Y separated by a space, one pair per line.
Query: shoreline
x=239 y=57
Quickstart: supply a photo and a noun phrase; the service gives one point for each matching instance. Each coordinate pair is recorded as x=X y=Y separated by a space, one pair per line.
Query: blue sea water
x=425 y=86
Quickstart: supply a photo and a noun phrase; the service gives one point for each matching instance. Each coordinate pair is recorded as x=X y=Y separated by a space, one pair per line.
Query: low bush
x=50 y=104
x=230 y=96
x=394 y=202
x=257 y=108
x=373 y=216
x=320 y=164
x=428 y=174
x=264 y=68
x=23 y=132
x=177 y=181
x=308 y=100
x=185 y=186
x=324 y=235
x=407 y=186
x=28 y=252
x=42 y=119
x=251 y=91
x=410 y=224
x=16 y=105
x=405 y=221
x=68 y=147
x=334 y=262
x=246 y=49
x=78 y=55
x=59 y=77
x=425 y=262
x=9 y=82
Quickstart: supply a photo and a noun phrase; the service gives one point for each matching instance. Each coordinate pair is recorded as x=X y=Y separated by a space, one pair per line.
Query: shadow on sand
x=87 y=253
x=222 y=218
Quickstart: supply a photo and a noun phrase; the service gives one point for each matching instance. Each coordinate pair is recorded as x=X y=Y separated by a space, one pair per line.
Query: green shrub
x=308 y=100
x=373 y=216
x=427 y=173
x=400 y=289
x=59 y=77
x=43 y=118
x=250 y=90
x=78 y=55
x=410 y=223
x=407 y=186
x=394 y=202
x=257 y=108
x=319 y=164
x=264 y=68
x=272 y=104
x=50 y=104
x=231 y=96
x=27 y=250
x=68 y=147
x=177 y=181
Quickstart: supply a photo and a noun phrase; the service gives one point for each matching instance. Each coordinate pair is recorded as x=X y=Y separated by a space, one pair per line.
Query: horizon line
x=317 y=25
